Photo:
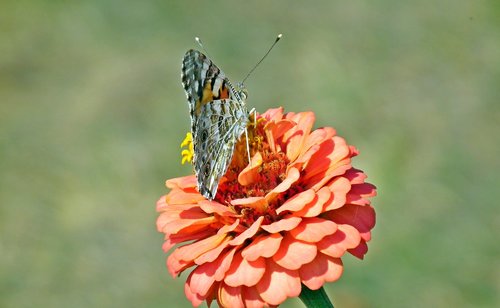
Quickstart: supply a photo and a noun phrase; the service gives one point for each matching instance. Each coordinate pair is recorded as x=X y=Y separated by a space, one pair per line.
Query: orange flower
x=283 y=220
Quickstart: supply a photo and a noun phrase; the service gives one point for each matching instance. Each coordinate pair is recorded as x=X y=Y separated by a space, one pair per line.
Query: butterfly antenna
x=198 y=40
x=268 y=51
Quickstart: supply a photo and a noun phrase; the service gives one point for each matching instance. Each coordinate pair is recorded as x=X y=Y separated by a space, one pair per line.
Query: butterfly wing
x=218 y=130
x=203 y=82
x=218 y=119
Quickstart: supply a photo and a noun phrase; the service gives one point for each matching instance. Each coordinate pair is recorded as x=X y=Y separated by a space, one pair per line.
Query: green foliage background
x=92 y=113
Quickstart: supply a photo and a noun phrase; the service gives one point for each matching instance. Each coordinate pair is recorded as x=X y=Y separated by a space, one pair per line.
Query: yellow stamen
x=187 y=154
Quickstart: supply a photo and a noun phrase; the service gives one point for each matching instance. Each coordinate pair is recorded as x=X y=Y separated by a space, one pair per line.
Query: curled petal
x=250 y=174
x=230 y=296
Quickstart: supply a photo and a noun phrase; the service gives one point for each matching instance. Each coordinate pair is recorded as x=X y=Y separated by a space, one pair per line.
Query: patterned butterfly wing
x=218 y=118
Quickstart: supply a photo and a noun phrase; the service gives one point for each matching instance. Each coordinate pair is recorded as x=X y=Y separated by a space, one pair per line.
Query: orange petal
x=284 y=224
x=293 y=253
x=314 y=208
x=244 y=272
x=322 y=269
x=278 y=283
x=195 y=299
x=359 y=251
x=273 y=114
x=182 y=182
x=274 y=131
x=263 y=246
x=176 y=266
x=201 y=279
x=335 y=245
x=355 y=176
x=174 y=239
x=313 y=229
x=177 y=196
x=211 y=207
x=250 y=174
x=184 y=225
x=251 y=298
x=192 y=251
x=230 y=296
x=359 y=193
x=295 y=138
x=292 y=176
x=339 y=187
x=229 y=228
x=212 y=254
x=360 y=217
x=297 y=202
x=248 y=233
x=260 y=204
x=222 y=264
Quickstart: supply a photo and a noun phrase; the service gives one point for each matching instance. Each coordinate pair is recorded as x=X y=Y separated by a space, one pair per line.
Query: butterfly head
x=242 y=91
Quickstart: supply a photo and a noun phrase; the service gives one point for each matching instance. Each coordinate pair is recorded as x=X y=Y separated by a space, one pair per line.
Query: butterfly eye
x=243 y=94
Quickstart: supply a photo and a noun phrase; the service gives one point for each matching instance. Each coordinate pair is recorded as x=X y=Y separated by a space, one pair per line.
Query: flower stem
x=316 y=298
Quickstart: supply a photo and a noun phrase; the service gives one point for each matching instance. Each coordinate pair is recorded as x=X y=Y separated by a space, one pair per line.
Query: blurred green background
x=92 y=113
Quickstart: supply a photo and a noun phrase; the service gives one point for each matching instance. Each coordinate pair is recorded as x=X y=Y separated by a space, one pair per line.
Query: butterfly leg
x=248 y=146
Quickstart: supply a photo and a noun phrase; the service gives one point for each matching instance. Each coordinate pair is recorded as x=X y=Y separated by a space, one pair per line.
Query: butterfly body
x=218 y=118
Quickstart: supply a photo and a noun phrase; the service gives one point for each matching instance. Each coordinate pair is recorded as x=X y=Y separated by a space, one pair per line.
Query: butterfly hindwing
x=218 y=130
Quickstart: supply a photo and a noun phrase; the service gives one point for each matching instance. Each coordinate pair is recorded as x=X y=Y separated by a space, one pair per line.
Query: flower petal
x=293 y=253
x=182 y=182
x=322 y=269
x=297 y=202
x=212 y=254
x=263 y=246
x=230 y=296
x=313 y=229
x=284 y=224
x=335 y=245
x=222 y=264
x=251 y=298
x=314 y=208
x=278 y=283
x=250 y=174
x=201 y=279
x=191 y=251
x=360 y=217
x=275 y=130
x=212 y=207
x=340 y=187
x=244 y=272
x=359 y=251
x=248 y=233
x=295 y=138
x=292 y=176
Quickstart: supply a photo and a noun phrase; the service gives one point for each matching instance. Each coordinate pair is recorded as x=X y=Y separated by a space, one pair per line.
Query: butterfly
x=219 y=117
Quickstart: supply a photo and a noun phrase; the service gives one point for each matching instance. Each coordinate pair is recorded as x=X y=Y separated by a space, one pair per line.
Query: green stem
x=316 y=298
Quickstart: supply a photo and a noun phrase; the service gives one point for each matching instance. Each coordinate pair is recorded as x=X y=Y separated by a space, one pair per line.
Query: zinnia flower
x=284 y=220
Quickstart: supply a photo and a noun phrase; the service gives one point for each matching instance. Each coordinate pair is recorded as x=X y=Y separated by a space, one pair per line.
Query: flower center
x=268 y=174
